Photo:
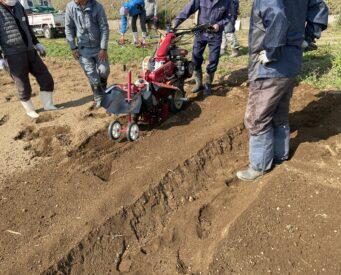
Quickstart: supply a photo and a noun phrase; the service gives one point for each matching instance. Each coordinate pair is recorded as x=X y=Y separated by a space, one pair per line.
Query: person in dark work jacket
x=214 y=12
x=86 y=22
x=279 y=30
x=18 y=53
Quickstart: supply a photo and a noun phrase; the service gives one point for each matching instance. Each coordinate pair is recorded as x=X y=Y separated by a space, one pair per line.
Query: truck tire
x=48 y=32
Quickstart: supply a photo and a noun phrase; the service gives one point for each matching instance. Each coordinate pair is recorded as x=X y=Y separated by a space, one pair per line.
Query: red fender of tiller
x=164 y=47
x=161 y=74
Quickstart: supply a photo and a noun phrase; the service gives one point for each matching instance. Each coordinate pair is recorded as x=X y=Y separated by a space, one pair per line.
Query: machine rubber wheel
x=133 y=131
x=48 y=32
x=176 y=105
x=114 y=130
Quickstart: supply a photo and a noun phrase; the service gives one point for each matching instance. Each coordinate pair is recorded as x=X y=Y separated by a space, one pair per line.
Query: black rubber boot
x=208 y=84
x=198 y=82
x=98 y=94
x=104 y=84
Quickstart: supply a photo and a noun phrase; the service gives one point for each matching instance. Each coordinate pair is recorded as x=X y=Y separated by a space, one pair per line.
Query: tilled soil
x=74 y=202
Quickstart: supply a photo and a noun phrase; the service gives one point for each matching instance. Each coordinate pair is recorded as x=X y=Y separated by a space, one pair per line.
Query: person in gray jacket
x=18 y=56
x=87 y=32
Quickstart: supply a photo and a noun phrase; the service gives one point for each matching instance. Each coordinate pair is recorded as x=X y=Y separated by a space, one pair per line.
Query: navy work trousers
x=213 y=40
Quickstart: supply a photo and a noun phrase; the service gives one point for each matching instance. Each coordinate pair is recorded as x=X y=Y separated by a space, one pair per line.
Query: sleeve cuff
x=72 y=45
x=104 y=46
x=274 y=54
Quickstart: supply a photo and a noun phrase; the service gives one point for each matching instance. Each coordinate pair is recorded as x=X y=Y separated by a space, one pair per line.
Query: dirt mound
x=46 y=141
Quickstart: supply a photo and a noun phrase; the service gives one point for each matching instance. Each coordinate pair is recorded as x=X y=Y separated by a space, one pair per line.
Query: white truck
x=43 y=18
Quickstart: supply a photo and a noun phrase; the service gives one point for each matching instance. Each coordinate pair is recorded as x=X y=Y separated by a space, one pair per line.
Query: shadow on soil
x=73 y=103
x=77 y=102
x=190 y=112
x=319 y=120
x=234 y=79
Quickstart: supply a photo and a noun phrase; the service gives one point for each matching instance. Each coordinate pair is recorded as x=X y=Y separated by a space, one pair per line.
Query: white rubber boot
x=144 y=36
x=46 y=99
x=28 y=106
x=135 y=37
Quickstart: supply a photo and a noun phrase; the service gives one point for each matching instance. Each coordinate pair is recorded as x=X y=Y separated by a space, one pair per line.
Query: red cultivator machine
x=159 y=91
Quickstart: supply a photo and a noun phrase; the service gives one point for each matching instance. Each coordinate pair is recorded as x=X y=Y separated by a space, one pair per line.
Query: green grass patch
x=322 y=68
x=117 y=54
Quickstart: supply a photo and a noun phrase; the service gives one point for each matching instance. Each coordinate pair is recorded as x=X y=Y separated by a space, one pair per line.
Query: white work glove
x=41 y=49
x=304 y=45
x=262 y=58
x=3 y=64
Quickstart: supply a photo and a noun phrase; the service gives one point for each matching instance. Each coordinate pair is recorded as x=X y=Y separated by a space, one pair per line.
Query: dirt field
x=74 y=202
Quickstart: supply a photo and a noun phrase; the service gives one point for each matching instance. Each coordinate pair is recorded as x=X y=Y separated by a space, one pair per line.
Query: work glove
x=262 y=58
x=41 y=49
x=3 y=64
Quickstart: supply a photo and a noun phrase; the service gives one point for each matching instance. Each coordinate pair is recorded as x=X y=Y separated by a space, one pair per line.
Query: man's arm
x=124 y=22
x=236 y=9
x=227 y=16
x=317 y=20
x=34 y=38
x=70 y=29
x=188 y=10
x=276 y=27
x=155 y=9
x=104 y=27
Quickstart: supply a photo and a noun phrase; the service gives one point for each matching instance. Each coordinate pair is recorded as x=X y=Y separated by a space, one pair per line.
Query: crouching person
x=87 y=32
x=18 y=54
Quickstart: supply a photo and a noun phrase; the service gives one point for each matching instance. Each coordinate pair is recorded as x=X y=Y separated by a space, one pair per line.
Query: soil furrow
x=143 y=221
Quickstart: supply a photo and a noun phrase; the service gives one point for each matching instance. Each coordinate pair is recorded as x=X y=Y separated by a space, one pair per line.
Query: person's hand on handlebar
x=215 y=28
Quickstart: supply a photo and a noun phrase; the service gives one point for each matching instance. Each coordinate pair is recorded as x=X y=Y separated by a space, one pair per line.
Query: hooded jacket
x=279 y=27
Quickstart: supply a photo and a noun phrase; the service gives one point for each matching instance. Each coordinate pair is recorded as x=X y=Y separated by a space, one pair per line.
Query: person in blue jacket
x=279 y=31
x=135 y=9
x=217 y=13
